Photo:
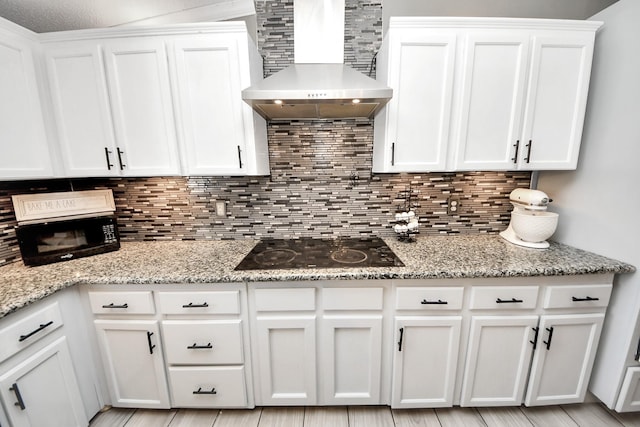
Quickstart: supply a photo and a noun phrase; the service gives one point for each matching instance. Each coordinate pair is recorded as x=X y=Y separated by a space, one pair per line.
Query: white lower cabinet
x=498 y=359
x=133 y=363
x=630 y=392
x=563 y=359
x=286 y=362
x=425 y=361
x=42 y=390
x=351 y=359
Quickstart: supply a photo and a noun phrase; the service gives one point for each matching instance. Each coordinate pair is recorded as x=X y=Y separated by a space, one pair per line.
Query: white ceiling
x=57 y=15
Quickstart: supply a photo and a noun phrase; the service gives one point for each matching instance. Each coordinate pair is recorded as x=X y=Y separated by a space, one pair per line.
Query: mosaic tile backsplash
x=320 y=185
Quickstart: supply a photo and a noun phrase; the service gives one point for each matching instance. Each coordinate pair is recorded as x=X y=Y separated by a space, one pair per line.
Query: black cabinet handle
x=526 y=159
x=587 y=298
x=199 y=391
x=515 y=156
x=151 y=346
x=106 y=153
x=14 y=388
x=637 y=356
x=535 y=338
x=192 y=305
x=509 y=301
x=548 y=343
x=196 y=346
x=112 y=305
x=439 y=302
x=401 y=337
x=393 y=153
x=120 y=153
x=240 y=157
x=42 y=326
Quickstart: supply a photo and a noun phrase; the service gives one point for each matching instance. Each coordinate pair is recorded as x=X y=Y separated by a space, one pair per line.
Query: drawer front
x=207 y=342
x=577 y=296
x=429 y=298
x=24 y=332
x=504 y=297
x=136 y=302
x=290 y=299
x=352 y=298
x=217 y=302
x=208 y=387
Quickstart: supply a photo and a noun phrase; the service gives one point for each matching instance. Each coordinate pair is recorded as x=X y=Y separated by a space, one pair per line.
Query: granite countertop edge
x=180 y=262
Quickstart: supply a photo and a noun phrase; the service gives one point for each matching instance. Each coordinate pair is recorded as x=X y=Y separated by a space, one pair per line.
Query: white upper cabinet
x=219 y=133
x=556 y=101
x=24 y=148
x=415 y=124
x=138 y=81
x=493 y=86
x=81 y=106
x=487 y=94
x=156 y=101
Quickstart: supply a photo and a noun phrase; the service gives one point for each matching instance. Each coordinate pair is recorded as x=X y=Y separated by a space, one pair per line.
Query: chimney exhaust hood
x=318 y=85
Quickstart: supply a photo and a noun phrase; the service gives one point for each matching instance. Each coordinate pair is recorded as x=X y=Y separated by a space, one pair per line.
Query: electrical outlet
x=221 y=208
x=453 y=205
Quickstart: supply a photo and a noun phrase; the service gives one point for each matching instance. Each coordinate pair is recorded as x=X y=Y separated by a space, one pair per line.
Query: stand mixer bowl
x=533 y=226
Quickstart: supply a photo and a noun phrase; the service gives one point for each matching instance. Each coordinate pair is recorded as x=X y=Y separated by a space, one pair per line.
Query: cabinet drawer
x=206 y=342
x=504 y=297
x=207 y=387
x=24 y=332
x=352 y=298
x=285 y=299
x=577 y=296
x=429 y=298
x=220 y=302
x=136 y=302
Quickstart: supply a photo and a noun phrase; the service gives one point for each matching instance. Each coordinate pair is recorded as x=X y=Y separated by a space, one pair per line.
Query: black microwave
x=54 y=241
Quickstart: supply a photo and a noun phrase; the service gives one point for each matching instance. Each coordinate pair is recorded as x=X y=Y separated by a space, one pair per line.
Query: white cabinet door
x=351 y=359
x=140 y=93
x=287 y=359
x=43 y=391
x=425 y=361
x=81 y=107
x=412 y=134
x=493 y=89
x=498 y=360
x=209 y=103
x=629 y=399
x=24 y=148
x=556 y=101
x=133 y=363
x=563 y=359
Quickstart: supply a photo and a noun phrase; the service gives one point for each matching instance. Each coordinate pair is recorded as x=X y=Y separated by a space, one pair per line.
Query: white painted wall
x=599 y=203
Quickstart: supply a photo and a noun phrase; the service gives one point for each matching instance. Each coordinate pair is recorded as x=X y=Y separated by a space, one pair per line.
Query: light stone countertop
x=175 y=262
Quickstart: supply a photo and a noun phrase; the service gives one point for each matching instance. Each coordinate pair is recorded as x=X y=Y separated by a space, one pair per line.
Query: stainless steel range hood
x=318 y=85
x=317 y=91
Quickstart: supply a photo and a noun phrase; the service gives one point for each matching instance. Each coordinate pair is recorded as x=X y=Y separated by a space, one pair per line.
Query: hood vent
x=318 y=85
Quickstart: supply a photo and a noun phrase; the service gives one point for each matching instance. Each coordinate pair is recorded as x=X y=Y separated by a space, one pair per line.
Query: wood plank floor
x=582 y=415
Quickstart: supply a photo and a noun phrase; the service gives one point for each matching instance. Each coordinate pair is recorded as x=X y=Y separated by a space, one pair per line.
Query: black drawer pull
x=112 y=305
x=535 y=338
x=588 y=298
x=439 y=302
x=637 y=355
x=196 y=346
x=192 y=305
x=151 y=346
x=199 y=391
x=400 y=340
x=509 y=301
x=14 y=388
x=42 y=326
x=548 y=343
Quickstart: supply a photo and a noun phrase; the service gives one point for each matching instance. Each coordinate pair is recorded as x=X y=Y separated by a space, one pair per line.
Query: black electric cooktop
x=271 y=254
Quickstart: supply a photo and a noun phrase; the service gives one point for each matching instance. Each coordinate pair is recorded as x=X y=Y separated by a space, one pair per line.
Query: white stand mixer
x=531 y=225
